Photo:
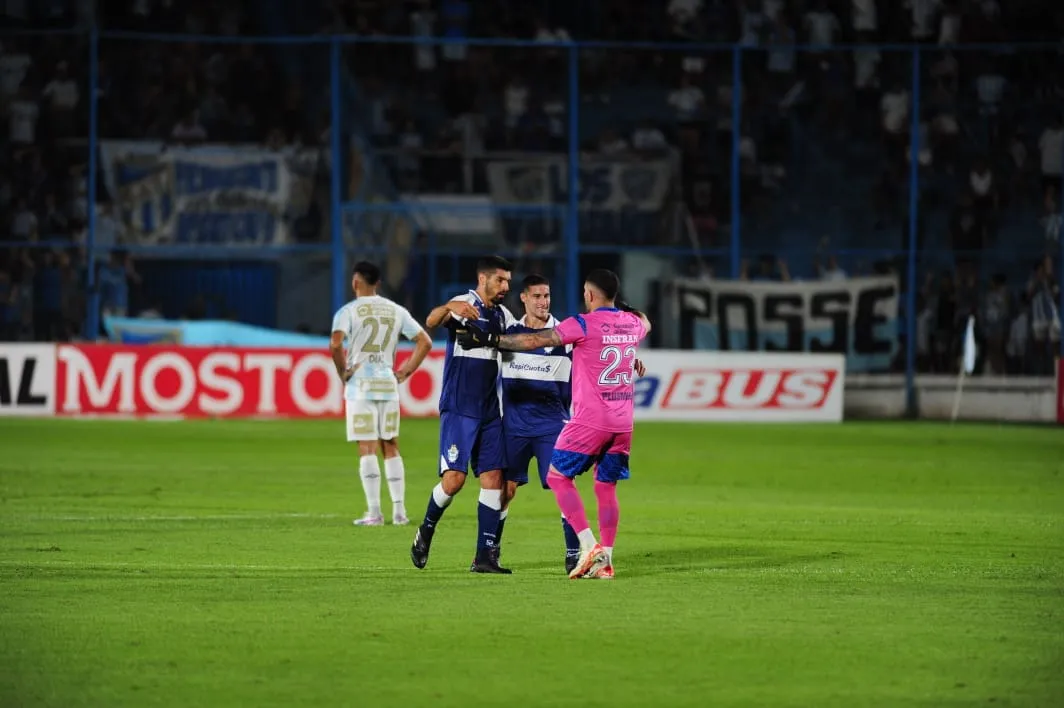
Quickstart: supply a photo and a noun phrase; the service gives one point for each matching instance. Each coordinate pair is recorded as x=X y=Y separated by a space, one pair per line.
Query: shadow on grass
x=717 y=558
x=706 y=558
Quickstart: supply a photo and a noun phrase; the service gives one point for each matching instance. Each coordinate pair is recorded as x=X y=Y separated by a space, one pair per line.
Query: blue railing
x=741 y=225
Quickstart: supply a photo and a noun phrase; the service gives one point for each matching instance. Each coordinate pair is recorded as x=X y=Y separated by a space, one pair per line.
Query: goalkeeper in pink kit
x=599 y=433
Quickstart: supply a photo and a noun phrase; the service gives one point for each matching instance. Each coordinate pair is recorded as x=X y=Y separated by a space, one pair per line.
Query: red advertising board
x=192 y=382
x=206 y=382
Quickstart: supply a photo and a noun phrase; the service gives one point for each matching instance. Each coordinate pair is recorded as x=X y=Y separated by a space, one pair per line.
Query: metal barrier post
x=572 y=243
x=914 y=205
x=337 y=264
x=737 y=116
x=1060 y=242
x=92 y=316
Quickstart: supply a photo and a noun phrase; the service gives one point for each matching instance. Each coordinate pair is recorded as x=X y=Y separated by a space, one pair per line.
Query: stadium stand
x=823 y=156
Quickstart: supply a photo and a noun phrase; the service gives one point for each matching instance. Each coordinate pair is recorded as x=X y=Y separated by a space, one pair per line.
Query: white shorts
x=371 y=420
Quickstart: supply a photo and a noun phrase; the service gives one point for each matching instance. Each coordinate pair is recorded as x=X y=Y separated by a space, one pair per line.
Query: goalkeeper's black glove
x=473 y=337
x=625 y=307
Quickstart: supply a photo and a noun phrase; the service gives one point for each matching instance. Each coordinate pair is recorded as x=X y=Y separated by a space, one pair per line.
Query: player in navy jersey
x=471 y=433
x=536 y=395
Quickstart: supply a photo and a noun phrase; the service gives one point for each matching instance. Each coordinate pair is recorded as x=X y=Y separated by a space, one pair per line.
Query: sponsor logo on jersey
x=545 y=368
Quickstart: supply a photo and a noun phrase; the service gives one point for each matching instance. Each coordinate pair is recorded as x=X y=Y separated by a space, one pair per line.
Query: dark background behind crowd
x=824 y=149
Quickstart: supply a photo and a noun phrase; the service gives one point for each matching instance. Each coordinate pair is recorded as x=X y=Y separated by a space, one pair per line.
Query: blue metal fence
x=747 y=231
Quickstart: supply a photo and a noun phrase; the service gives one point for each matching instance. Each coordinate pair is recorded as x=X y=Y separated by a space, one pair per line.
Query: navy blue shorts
x=470 y=442
x=521 y=450
x=579 y=448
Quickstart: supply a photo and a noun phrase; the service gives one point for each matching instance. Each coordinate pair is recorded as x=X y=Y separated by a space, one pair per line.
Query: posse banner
x=232 y=195
x=857 y=317
x=603 y=184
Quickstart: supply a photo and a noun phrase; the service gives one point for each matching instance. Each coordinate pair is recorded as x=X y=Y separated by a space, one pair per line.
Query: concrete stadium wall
x=984 y=398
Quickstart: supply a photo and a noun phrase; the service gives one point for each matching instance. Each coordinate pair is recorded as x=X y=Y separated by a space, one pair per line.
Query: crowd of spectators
x=989 y=140
x=173 y=92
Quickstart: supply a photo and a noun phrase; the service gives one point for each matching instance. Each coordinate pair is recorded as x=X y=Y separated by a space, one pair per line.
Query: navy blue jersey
x=471 y=376
x=536 y=392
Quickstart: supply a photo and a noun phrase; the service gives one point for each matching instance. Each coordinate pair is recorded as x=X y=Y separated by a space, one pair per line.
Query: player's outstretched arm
x=472 y=337
x=422 y=347
x=530 y=340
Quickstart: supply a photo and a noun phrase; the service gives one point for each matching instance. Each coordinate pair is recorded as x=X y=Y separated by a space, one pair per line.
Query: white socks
x=396 y=476
x=370 y=472
x=609 y=553
x=491 y=498
x=442 y=498
x=587 y=539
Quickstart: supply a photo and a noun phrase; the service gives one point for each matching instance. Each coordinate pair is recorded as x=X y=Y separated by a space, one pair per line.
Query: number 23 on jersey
x=620 y=366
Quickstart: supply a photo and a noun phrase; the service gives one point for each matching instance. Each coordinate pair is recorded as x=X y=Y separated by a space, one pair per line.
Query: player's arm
x=530 y=340
x=472 y=337
x=341 y=325
x=451 y=311
x=625 y=307
x=422 y=347
x=336 y=348
x=410 y=329
x=570 y=331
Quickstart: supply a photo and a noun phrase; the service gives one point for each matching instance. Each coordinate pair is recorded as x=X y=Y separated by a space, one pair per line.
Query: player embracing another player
x=536 y=398
x=599 y=433
x=471 y=433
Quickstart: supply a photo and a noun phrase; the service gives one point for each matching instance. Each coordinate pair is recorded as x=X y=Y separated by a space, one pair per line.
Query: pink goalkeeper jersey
x=604 y=345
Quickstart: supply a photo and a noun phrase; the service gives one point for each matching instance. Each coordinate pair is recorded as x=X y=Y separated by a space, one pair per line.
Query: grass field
x=215 y=564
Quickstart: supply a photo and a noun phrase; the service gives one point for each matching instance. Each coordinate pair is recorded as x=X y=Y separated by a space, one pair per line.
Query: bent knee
x=492 y=479
x=509 y=491
x=452 y=482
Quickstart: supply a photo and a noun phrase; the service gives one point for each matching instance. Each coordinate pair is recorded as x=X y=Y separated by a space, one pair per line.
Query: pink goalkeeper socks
x=569 y=500
x=609 y=512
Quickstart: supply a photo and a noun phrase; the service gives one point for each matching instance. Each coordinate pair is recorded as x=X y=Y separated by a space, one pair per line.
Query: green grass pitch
x=215 y=564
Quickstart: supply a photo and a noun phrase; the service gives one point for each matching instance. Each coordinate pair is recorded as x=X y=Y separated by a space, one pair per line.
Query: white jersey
x=371 y=328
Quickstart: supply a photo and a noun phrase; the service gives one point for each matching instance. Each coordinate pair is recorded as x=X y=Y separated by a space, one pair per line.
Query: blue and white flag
x=229 y=195
x=969 y=346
